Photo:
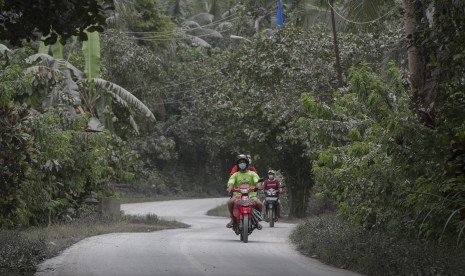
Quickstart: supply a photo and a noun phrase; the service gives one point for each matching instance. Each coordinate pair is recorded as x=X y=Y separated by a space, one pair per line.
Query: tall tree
x=413 y=14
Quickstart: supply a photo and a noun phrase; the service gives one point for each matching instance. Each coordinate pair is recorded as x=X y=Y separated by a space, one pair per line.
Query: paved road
x=206 y=248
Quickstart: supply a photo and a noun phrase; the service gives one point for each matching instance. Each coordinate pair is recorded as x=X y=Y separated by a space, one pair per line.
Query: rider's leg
x=258 y=206
x=231 y=214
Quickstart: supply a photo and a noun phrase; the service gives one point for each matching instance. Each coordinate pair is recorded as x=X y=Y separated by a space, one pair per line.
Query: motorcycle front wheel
x=245 y=228
x=271 y=217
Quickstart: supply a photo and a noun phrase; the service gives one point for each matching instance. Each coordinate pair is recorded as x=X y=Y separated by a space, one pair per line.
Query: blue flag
x=280 y=16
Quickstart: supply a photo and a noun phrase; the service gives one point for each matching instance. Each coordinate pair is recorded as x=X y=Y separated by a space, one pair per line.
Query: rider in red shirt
x=273 y=183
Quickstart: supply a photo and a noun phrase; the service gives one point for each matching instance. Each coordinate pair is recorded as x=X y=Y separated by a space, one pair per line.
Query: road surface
x=206 y=248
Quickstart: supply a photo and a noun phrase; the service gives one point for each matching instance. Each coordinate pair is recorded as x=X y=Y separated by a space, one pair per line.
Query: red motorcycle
x=246 y=217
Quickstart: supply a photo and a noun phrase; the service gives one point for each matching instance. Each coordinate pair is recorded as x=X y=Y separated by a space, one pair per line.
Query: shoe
x=259 y=226
x=230 y=224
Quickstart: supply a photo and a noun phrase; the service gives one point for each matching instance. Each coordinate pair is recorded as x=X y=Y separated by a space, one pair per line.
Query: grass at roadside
x=219 y=211
x=133 y=197
x=334 y=242
x=137 y=198
x=21 y=251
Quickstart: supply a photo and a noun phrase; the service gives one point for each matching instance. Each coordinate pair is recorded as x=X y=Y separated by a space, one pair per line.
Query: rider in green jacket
x=243 y=176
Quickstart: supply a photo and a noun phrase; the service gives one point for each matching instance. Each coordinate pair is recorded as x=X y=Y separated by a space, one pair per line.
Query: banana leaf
x=43 y=49
x=4 y=49
x=121 y=96
x=45 y=60
x=57 y=50
x=197 y=41
x=91 y=51
x=190 y=24
x=202 y=18
x=203 y=32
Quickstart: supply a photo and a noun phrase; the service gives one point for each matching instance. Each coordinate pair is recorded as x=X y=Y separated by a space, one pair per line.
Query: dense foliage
x=390 y=162
x=256 y=89
x=56 y=151
x=17 y=157
x=20 y=254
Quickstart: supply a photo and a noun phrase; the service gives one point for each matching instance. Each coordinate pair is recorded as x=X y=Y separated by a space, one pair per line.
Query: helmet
x=271 y=172
x=242 y=157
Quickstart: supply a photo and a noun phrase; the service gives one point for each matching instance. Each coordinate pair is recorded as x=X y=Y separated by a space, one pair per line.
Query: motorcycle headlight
x=271 y=192
x=244 y=190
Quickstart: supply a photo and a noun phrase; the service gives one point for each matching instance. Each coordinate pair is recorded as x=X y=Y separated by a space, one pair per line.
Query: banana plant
x=68 y=86
x=91 y=52
x=55 y=77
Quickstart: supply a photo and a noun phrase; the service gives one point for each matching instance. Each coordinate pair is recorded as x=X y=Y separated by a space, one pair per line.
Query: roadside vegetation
x=219 y=211
x=335 y=242
x=22 y=250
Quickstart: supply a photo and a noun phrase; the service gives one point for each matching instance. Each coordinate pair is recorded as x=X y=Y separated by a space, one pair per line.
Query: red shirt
x=271 y=184
x=250 y=168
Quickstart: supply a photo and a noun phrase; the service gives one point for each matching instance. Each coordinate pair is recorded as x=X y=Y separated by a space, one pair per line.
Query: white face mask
x=270 y=177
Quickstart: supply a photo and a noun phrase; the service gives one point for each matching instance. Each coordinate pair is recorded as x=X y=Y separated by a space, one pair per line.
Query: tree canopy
x=56 y=19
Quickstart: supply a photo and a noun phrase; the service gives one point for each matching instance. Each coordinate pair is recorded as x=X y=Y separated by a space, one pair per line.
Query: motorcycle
x=270 y=205
x=246 y=217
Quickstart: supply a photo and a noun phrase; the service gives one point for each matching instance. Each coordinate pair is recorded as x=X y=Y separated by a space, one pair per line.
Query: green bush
x=19 y=255
x=17 y=157
x=335 y=242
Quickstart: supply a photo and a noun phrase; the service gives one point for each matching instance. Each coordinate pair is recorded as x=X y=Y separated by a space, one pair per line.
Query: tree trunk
x=336 y=46
x=423 y=79
x=415 y=62
x=298 y=182
x=299 y=193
